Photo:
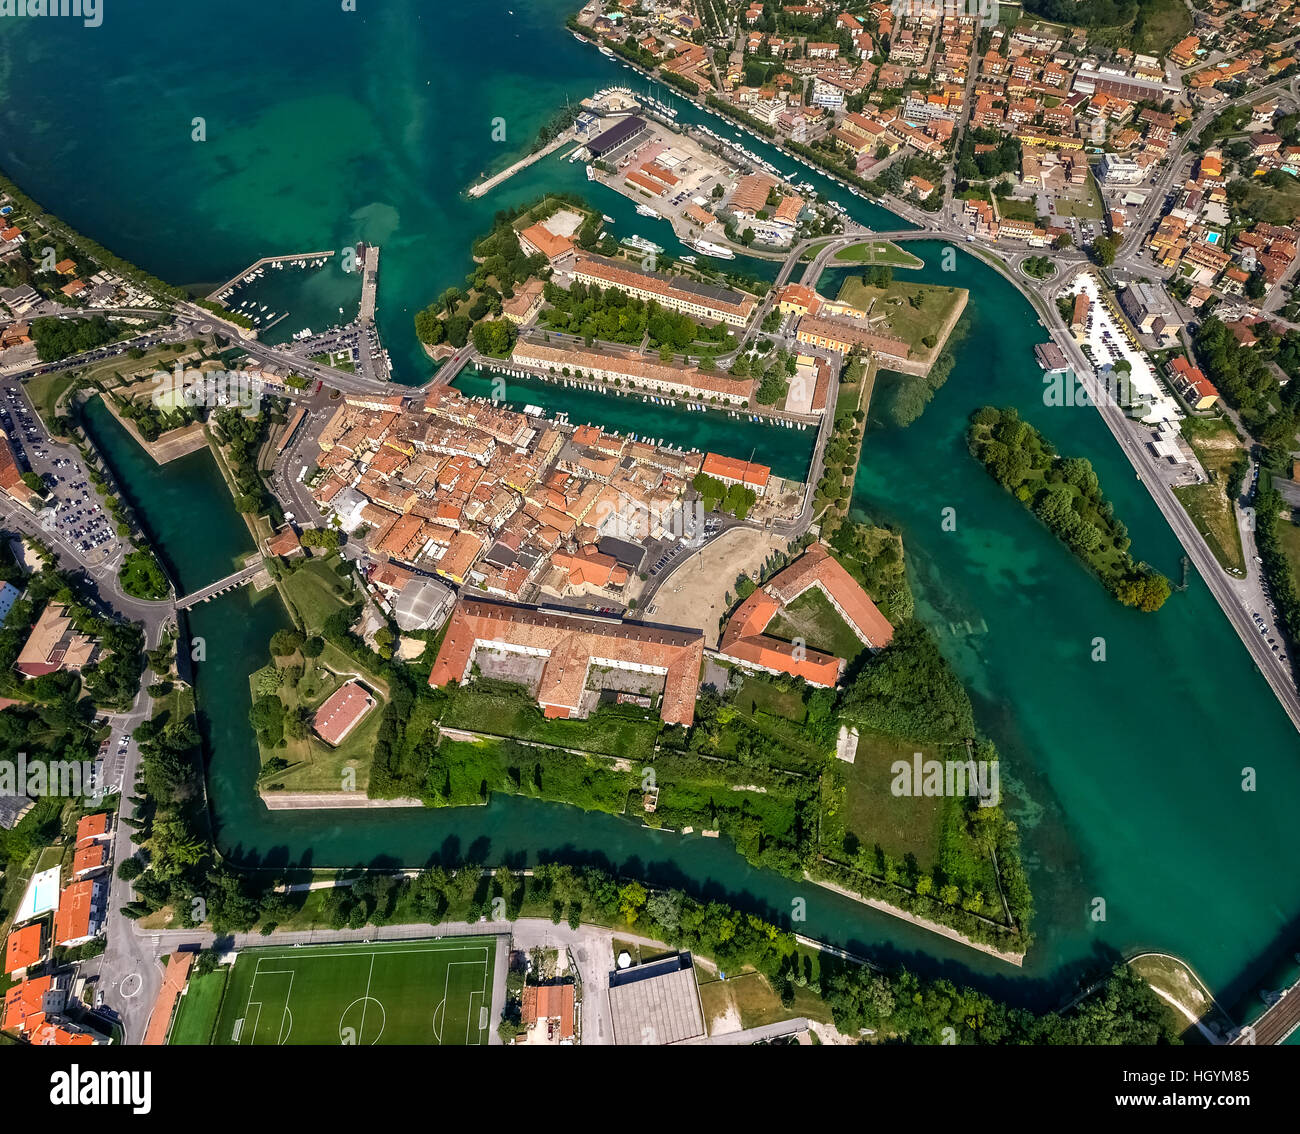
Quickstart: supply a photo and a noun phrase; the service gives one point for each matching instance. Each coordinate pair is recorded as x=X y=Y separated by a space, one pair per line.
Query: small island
x=1064 y=493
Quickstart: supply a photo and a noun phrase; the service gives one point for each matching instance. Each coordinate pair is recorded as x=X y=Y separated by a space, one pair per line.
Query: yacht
x=646 y=211
x=641 y=244
x=708 y=248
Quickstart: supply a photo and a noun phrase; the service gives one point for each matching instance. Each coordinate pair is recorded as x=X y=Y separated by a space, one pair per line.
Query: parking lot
x=74 y=514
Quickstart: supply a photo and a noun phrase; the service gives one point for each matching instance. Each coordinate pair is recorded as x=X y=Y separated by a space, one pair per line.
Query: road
x=1132 y=440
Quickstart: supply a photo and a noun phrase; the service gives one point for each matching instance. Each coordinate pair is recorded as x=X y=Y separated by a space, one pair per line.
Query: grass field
x=909 y=310
x=1217 y=447
x=1018 y=210
x=758 y=695
x=400 y=992
x=812 y=618
x=316 y=591
x=613 y=733
x=313 y=764
x=197 y=1013
x=878 y=252
x=1215 y=519
x=1289 y=537
x=46 y=390
x=1069 y=206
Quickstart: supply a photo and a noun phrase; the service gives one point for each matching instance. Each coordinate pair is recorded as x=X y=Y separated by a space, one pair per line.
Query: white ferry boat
x=708 y=248
x=640 y=243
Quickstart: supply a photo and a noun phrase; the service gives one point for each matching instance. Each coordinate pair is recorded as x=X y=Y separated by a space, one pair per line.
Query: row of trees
x=1065 y=494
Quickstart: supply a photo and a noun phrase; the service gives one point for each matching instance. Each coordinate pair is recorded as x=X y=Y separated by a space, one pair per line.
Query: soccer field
x=396 y=992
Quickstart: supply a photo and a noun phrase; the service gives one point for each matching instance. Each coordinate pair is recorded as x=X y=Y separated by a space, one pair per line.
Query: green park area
x=922 y=315
x=1210 y=506
x=45 y=390
x=877 y=252
x=495 y=708
x=812 y=619
x=286 y=695
x=868 y=823
x=315 y=588
x=1011 y=208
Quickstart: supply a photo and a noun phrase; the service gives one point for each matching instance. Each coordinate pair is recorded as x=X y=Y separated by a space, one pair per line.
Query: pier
x=212 y=296
x=492 y=182
x=369 y=285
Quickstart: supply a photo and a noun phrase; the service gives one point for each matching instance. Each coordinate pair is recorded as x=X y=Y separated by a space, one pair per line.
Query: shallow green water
x=184 y=507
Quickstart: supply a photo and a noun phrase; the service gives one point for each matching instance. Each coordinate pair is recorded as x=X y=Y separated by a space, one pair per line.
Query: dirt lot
x=694 y=593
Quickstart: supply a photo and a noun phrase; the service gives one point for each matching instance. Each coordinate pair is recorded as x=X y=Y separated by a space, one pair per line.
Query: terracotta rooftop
x=73 y=919
x=53 y=644
x=90 y=827
x=569 y=642
x=342 y=712
x=549 y=1001
x=745 y=641
x=23 y=947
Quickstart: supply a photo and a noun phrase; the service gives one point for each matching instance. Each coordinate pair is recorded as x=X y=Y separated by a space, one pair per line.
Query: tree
x=1103 y=251
x=285 y=642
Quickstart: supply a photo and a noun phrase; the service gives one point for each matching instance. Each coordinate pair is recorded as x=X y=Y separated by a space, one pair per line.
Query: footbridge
x=220 y=587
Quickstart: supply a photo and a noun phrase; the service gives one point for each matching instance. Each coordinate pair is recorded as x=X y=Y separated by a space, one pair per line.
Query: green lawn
x=909 y=311
x=759 y=695
x=313 y=589
x=1213 y=515
x=605 y=731
x=45 y=391
x=861 y=813
x=313 y=764
x=812 y=618
x=1289 y=535
x=1018 y=210
x=1217 y=447
x=400 y=992
x=878 y=252
x=197 y=1014
x=1085 y=210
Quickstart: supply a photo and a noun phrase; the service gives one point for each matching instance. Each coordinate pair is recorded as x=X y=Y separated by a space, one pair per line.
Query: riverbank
x=170 y=446
x=1017 y=959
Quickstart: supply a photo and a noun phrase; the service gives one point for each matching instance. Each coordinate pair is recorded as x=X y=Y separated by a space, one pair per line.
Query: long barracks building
x=677 y=292
x=633 y=370
x=843 y=335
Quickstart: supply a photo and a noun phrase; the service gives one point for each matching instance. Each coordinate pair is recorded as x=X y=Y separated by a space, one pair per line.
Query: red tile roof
x=745 y=641
x=568 y=643
x=23 y=948
x=341 y=712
